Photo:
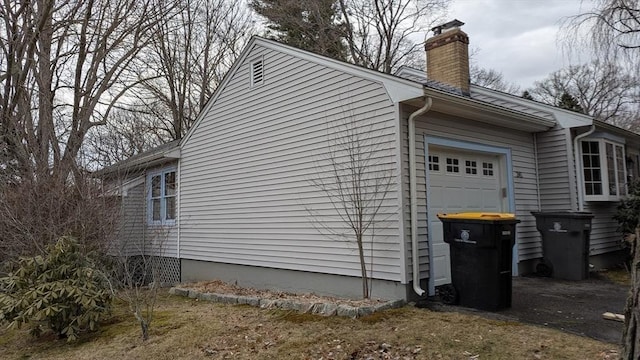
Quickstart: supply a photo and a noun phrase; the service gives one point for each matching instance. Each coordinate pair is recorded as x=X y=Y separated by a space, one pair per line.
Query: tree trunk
x=631 y=336
x=363 y=269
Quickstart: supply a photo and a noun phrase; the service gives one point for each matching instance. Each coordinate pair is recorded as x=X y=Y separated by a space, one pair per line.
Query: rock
x=287 y=305
x=193 y=294
x=330 y=309
x=179 y=291
x=365 y=310
x=305 y=308
x=348 y=311
x=210 y=297
x=268 y=303
x=249 y=300
x=227 y=298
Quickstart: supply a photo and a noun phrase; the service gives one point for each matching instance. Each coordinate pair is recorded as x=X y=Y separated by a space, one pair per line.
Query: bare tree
x=191 y=52
x=611 y=28
x=36 y=214
x=492 y=79
x=65 y=65
x=354 y=179
x=381 y=34
x=139 y=275
x=602 y=90
x=130 y=131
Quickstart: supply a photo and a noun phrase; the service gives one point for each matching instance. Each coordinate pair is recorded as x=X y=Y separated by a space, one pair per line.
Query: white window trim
x=604 y=170
x=162 y=221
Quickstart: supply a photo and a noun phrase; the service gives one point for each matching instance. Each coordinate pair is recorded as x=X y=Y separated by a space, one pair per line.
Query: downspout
x=576 y=155
x=413 y=194
x=535 y=151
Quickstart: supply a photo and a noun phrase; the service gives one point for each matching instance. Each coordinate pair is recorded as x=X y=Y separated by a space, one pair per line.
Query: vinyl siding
x=554 y=164
x=132 y=224
x=247 y=193
x=604 y=235
x=135 y=235
x=523 y=163
x=162 y=240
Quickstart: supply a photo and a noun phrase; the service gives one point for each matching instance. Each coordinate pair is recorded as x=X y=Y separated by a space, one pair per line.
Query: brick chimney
x=448 y=56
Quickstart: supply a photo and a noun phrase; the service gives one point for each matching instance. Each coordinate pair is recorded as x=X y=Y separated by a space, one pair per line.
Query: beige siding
x=247 y=193
x=523 y=163
x=604 y=237
x=132 y=223
x=554 y=161
x=135 y=235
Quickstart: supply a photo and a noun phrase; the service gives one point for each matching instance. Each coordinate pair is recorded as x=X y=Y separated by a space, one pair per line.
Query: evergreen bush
x=61 y=290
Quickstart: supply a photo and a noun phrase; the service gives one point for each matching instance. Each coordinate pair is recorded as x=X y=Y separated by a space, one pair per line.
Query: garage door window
x=471 y=167
x=453 y=165
x=434 y=163
x=487 y=169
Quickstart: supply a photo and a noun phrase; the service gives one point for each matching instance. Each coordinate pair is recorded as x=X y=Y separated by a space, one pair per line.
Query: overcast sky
x=517 y=37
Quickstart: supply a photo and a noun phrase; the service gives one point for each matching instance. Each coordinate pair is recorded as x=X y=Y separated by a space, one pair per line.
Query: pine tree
x=527 y=95
x=312 y=25
x=569 y=102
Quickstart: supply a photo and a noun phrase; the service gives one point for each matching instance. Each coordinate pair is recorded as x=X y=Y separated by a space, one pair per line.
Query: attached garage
x=461 y=177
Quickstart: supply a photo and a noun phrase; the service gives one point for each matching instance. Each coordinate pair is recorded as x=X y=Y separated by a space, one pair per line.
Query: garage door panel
x=458 y=182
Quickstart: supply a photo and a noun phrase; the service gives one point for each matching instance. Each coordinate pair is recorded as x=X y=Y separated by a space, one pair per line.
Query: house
x=235 y=199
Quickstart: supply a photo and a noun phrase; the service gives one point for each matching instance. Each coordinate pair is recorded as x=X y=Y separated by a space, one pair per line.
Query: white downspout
x=576 y=156
x=413 y=192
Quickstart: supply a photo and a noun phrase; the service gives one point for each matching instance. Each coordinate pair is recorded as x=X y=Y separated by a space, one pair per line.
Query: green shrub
x=628 y=211
x=61 y=290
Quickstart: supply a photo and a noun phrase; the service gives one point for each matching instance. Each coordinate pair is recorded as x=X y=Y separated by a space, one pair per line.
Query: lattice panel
x=167 y=270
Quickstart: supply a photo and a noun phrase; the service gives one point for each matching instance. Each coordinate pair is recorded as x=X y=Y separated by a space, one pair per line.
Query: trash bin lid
x=478 y=216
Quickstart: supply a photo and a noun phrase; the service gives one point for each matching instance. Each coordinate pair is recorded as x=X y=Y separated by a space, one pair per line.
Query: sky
x=517 y=37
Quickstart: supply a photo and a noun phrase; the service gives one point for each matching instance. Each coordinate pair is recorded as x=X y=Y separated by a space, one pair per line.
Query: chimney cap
x=437 y=30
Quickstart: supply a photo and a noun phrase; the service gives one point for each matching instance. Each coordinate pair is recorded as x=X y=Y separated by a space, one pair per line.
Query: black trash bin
x=481 y=253
x=565 y=244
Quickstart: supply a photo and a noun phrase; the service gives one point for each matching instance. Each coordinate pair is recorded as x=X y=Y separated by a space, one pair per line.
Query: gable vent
x=257 y=73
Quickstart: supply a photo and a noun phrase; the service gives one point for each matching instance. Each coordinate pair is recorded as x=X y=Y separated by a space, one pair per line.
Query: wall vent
x=257 y=73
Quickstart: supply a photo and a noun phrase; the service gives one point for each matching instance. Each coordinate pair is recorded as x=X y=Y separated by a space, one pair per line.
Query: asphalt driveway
x=571 y=306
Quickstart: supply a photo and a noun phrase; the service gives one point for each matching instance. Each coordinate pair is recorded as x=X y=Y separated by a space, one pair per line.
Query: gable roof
x=155 y=156
x=398 y=89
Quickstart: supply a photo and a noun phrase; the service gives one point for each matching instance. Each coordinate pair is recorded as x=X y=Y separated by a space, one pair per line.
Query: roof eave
x=487 y=113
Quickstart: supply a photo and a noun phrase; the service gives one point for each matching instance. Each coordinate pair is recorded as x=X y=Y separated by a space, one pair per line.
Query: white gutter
x=576 y=156
x=413 y=192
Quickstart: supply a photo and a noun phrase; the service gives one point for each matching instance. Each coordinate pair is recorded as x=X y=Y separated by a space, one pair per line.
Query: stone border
x=317 y=308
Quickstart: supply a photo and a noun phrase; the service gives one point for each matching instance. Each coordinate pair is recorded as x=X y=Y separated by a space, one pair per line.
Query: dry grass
x=191 y=329
x=618 y=275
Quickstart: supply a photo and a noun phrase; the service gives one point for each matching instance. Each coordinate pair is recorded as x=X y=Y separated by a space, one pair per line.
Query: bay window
x=161 y=196
x=604 y=172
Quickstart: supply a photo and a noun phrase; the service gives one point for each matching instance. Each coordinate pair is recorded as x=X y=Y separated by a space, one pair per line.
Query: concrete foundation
x=598 y=262
x=289 y=280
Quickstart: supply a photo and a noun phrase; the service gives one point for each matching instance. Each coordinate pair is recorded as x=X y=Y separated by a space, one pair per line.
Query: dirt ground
x=571 y=306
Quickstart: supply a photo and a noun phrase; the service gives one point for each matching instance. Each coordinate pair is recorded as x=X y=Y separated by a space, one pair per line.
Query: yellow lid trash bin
x=480 y=245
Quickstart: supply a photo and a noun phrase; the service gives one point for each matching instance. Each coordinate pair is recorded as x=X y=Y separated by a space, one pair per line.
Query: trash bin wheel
x=544 y=269
x=448 y=294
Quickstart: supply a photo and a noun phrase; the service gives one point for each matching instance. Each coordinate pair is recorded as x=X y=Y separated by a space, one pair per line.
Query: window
x=471 y=167
x=162 y=193
x=434 y=163
x=604 y=170
x=257 y=72
x=487 y=169
x=453 y=165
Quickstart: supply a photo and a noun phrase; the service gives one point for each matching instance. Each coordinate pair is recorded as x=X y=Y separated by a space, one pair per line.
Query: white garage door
x=459 y=182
